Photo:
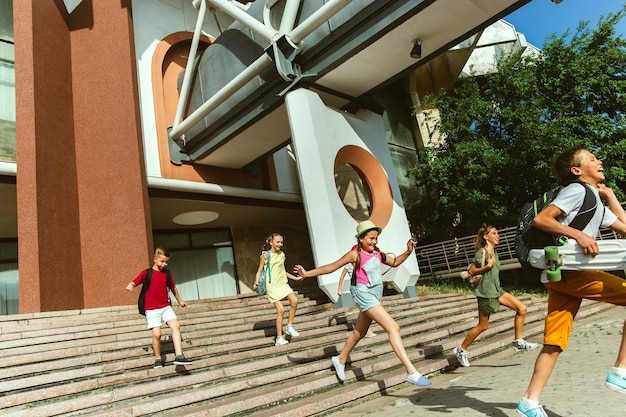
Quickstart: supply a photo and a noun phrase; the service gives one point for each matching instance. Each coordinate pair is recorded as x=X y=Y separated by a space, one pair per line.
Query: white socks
x=530 y=403
x=619 y=372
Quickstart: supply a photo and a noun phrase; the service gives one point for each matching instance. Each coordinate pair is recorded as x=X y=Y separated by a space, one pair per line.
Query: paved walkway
x=492 y=386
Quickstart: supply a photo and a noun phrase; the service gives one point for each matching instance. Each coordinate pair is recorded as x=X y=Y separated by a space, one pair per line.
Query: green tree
x=502 y=131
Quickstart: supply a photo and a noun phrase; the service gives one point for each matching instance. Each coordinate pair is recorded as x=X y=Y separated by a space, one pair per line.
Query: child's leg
x=562 y=309
x=392 y=328
x=293 y=306
x=510 y=301
x=620 y=362
x=280 y=312
x=544 y=364
x=176 y=338
x=362 y=324
x=483 y=324
x=598 y=286
x=156 y=341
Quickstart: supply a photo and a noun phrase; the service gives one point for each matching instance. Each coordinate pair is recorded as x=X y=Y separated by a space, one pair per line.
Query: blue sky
x=540 y=18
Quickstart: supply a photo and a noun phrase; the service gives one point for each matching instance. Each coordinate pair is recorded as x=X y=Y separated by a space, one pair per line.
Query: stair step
x=100 y=363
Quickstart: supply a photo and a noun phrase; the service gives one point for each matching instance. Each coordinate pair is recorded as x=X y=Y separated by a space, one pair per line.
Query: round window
x=353 y=192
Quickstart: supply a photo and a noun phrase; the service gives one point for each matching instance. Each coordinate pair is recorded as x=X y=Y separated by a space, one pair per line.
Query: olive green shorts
x=488 y=305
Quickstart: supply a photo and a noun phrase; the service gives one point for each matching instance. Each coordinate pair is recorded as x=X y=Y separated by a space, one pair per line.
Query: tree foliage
x=503 y=131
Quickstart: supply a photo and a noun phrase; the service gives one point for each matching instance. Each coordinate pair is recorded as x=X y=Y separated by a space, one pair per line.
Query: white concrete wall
x=319 y=133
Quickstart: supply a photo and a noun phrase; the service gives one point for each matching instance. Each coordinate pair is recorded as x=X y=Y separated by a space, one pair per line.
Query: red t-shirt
x=157 y=294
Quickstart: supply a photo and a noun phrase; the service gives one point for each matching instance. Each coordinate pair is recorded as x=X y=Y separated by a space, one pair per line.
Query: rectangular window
x=202 y=264
x=6 y=20
x=7 y=83
x=8 y=277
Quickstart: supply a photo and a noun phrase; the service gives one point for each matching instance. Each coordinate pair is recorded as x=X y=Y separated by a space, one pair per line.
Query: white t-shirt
x=570 y=200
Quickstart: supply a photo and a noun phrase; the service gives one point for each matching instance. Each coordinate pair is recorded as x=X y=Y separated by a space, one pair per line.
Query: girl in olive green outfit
x=490 y=295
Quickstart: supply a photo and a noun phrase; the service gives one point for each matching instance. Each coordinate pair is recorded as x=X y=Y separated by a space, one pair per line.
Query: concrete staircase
x=98 y=362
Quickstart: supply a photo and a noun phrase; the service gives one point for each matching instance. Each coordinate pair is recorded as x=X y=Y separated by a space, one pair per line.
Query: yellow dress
x=278 y=288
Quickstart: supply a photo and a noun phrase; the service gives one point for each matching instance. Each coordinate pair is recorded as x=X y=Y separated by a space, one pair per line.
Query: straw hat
x=365 y=227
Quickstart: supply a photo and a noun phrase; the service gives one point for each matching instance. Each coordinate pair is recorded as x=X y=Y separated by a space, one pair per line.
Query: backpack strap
x=586 y=212
x=146 y=284
x=356 y=265
x=267 y=267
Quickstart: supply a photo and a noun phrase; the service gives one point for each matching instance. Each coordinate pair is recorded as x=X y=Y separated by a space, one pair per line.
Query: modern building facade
x=91 y=180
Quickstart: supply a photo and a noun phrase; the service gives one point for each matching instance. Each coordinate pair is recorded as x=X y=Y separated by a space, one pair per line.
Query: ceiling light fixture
x=416 y=52
x=193 y=218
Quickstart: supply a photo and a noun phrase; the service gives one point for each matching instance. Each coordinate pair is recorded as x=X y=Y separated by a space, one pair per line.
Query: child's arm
x=349 y=257
x=410 y=247
x=546 y=220
x=258 y=271
x=180 y=301
x=294 y=277
x=343 y=275
x=614 y=205
x=136 y=281
x=490 y=262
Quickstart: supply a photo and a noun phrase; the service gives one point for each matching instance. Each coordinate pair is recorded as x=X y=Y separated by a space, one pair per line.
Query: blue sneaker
x=418 y=379
x=530 y=412
x=616 y=383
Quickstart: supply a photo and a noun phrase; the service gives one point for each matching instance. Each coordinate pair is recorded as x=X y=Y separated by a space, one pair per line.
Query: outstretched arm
x=349 y=257
x=294 y=277
x=410 y=247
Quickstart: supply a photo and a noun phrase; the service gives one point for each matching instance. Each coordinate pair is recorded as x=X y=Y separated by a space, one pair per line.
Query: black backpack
x=141 y=301
x=528 y=237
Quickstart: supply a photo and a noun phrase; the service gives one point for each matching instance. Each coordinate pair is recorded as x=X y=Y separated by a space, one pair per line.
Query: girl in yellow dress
x=278 y=288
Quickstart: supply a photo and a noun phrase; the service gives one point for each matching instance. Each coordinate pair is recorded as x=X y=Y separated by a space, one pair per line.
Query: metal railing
x=451 y=257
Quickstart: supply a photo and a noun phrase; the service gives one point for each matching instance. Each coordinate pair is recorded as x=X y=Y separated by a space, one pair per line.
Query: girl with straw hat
x=367 y=291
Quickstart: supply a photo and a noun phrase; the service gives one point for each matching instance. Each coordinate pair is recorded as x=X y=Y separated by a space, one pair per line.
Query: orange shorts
x=565 y=296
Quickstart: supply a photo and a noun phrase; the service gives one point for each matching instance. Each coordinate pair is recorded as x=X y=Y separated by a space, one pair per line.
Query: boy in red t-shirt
x=159 y=308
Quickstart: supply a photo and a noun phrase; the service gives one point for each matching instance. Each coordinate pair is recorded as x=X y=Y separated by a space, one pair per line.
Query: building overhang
x=362 y=47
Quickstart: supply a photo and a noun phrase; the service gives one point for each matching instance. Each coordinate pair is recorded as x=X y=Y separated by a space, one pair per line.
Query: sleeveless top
x=369 y=271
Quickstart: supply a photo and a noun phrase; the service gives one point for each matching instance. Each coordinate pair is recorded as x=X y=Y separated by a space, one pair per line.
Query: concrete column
x=83 y=216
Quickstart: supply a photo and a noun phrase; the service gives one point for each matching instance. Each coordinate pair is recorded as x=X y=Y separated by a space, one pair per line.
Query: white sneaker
x=280 y=340
x=521 y=344
x=291 y=331
x=340 y=369
x=461 y=356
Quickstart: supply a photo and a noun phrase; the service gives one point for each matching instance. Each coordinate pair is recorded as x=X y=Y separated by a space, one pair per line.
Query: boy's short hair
x=562 y=167
x=161 y=250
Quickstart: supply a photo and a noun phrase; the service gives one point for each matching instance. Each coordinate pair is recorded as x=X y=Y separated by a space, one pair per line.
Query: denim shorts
x=366 y=296
x=156 y=317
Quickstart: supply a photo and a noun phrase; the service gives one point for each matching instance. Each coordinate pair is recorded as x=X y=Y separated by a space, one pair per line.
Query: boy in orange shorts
x=565 y=296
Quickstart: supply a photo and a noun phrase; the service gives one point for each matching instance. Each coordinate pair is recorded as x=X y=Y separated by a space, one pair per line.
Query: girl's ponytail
x=267 y=245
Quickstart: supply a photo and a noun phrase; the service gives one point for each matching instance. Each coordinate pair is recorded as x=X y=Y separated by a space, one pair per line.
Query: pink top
x=369 y=271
